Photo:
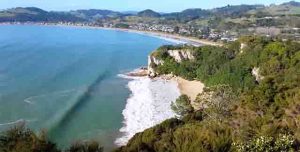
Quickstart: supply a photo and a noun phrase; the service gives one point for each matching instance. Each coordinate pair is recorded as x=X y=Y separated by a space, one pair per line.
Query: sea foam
x=148 y=105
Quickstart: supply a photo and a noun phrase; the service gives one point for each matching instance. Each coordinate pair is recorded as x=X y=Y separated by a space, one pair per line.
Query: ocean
x=66 y=81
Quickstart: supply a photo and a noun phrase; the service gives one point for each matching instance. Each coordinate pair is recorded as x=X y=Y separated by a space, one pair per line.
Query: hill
x=23 y=14
x=235 y=10
x=231 y=11
x=93 y=14
x=292 y=3
x=189 y=14
x=289 y=8
x=148 y=13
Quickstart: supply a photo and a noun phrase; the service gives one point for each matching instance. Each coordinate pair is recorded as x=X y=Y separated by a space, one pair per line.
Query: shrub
x=91 y=146
x=182 y=105
x=283 y=143
x=217 y=101
x=21 y=139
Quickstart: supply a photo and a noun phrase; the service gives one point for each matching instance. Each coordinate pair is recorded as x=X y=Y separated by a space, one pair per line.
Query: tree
x=21 y=139
x=85 y=147
x=182 y=105
x=216 y=101
x=282 y=143
x=176 y=29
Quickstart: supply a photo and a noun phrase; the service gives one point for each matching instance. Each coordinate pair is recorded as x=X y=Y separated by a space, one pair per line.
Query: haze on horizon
x=129 y=5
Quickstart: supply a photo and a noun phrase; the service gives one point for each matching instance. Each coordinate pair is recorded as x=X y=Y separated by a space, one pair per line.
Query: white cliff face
x=180 y=55
x=152 y=61
x=255 y=73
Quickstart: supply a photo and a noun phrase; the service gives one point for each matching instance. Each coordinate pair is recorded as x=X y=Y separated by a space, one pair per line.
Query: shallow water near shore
x=64 y=79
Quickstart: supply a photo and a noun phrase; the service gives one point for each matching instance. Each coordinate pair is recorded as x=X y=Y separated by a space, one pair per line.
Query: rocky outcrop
x=255 y=73
x=178 y=55
x=152 y=62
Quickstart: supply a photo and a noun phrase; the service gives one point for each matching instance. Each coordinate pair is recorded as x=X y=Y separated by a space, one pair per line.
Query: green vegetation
x=182 y=106
x=270 y=144
x=21 y=139
x=148 y=13
x=91 y=146
x=121 y=25
x=188 y=135
x=217 y=101
x=213 y=65
x=238 y=112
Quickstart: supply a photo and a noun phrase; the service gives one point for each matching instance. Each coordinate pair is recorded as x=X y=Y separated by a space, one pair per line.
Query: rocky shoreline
x=140 y=72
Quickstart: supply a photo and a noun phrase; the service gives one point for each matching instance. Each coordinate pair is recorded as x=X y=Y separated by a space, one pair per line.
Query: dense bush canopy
x=22 y=139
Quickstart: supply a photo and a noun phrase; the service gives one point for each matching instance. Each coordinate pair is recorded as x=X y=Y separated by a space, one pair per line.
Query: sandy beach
x=190 y=40
x=189 y=88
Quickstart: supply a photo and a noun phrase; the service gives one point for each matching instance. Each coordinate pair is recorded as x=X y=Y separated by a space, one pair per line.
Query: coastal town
x=204 y=33
x=224 y=24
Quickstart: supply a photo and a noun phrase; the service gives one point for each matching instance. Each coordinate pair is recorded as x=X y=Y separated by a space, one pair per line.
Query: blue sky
x=132 y=5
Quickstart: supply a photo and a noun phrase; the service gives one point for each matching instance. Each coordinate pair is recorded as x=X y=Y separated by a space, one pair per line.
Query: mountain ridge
x=35 y=14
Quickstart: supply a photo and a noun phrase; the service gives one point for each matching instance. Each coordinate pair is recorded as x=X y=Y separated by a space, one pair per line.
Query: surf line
x=16 y=122
x=60 y=93
x=148 y=104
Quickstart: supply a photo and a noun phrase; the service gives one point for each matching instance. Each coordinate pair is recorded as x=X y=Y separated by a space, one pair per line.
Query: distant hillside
x=95 y=14
x=38 y=15
x=148 y=13
x=35 y=15
x=232 y=11
x=189 y=14
x=292 y=3
x=235 y=10
x=130 y=12
x=289 y=8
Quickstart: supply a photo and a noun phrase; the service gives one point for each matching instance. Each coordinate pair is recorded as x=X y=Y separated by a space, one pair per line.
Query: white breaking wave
x=176 y=41
x=148 y=105
x=30 y=100
x=164 y=37
x=16 y=122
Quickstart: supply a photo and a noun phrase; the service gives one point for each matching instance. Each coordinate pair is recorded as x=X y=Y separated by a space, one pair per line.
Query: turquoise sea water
x=64 y=79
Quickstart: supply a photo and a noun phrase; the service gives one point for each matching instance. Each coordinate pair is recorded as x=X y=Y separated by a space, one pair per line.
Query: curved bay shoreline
x=166 y=36
x=186 y=87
